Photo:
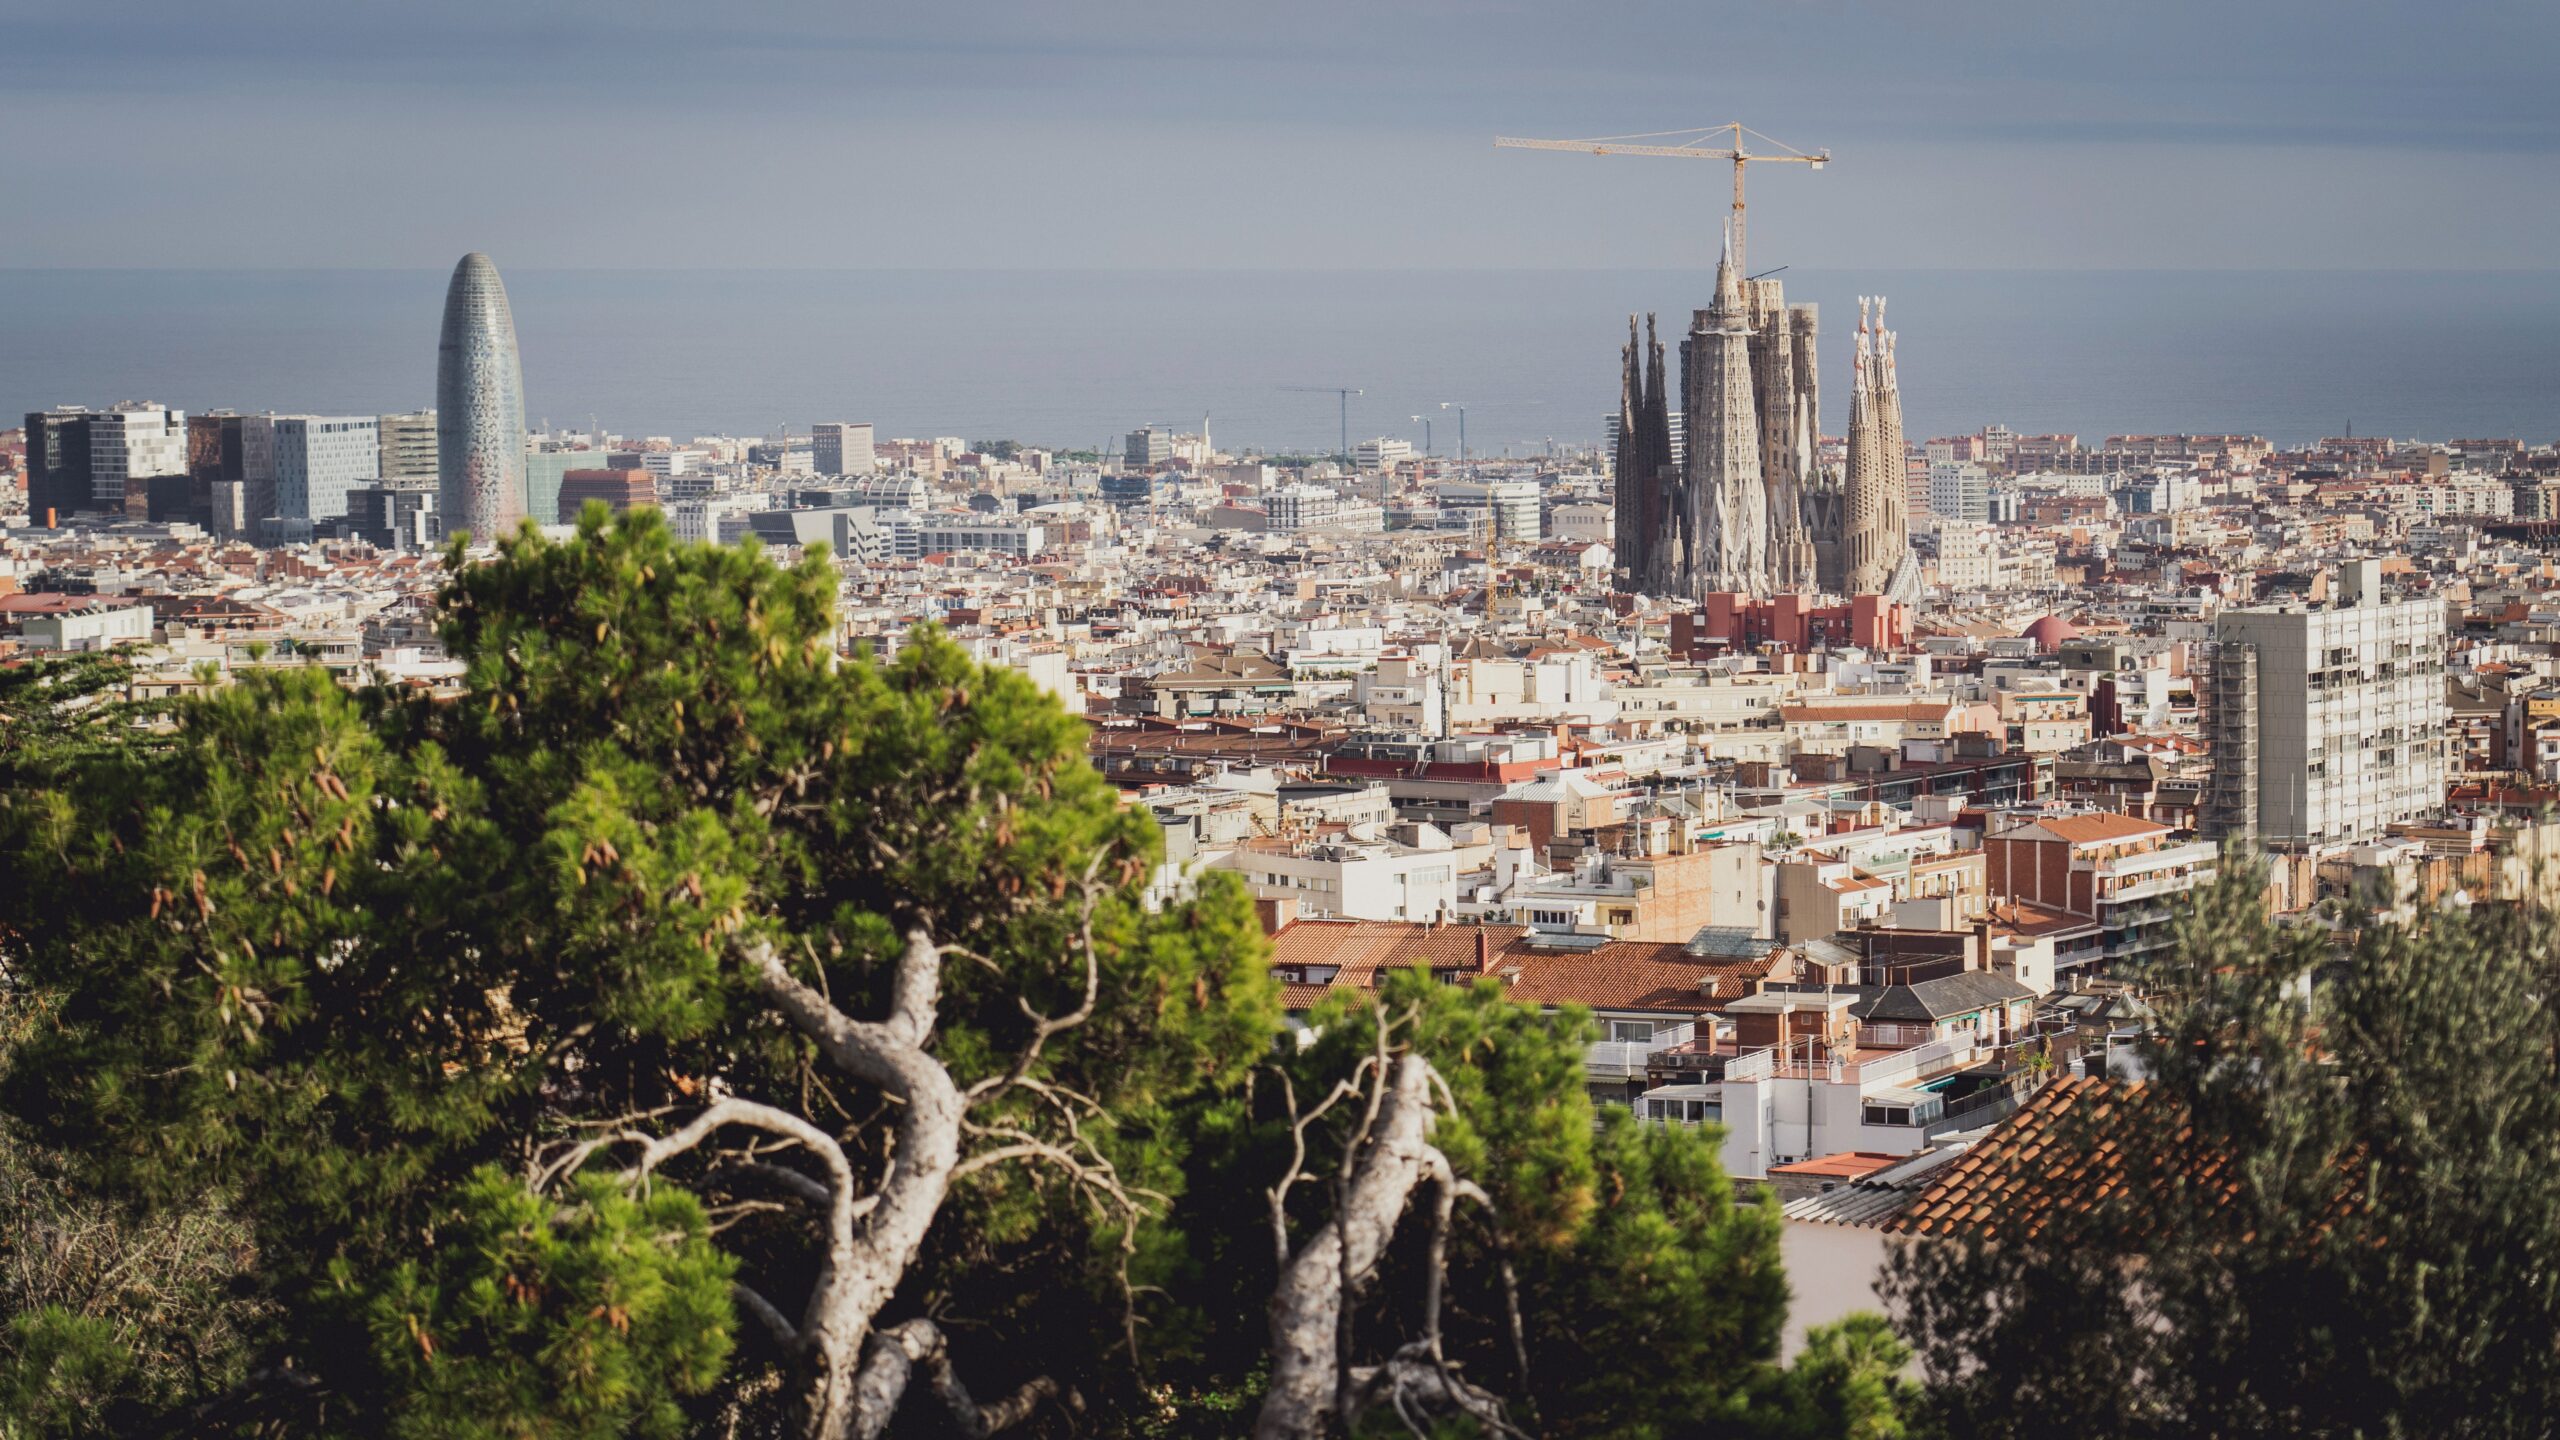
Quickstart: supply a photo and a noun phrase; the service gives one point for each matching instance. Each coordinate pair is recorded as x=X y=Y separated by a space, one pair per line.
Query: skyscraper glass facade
x=479 y=406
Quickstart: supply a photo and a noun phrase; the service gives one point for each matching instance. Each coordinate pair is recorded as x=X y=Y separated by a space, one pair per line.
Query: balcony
x=1628 y=1059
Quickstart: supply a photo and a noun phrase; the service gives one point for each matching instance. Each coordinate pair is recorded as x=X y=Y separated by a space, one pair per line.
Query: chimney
x=1276 y=912
x=1484 y=952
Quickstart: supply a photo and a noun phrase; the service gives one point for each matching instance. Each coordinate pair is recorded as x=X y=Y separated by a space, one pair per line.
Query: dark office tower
x=57 y=465
x=231 y=469
x=479 y=406
x=620 y=490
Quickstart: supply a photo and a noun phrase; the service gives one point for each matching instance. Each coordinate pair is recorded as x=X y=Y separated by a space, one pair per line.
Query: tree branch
x=890 y=1365
x=783 y=1331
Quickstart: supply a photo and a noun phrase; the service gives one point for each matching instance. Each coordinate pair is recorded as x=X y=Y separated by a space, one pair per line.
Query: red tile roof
x=1641 y=975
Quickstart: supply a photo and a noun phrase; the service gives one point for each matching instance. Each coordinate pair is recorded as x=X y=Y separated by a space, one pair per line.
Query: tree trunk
x=1307 y=1305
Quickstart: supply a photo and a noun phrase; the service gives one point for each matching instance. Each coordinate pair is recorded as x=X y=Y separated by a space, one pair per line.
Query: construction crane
x=1344 y=392
x=1690 y=145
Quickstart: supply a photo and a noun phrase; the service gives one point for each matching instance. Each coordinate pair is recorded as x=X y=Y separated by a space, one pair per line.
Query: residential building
x=2119 y=871
x=1014 y=539
x=1511 y=506
x=1381 y=454
x=2327 y=722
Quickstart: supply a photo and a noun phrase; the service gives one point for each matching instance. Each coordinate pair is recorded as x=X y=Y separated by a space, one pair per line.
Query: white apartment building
x=1587 y=524
x=1357 y=879
x=1381 y=453
x=842 y=448
x=1969 y=557
x=319 y=458
x=1513 y=504
x=2327 y=724
x=1016 y=539
x=1313 y=507
x=1960 y=492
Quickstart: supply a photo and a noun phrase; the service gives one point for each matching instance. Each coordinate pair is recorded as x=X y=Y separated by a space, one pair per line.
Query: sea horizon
x=1074 y=356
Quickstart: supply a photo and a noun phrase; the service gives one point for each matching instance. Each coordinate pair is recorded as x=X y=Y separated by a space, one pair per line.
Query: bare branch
x=783 y=1331
x=1297 y=1170
x=889 y=1367
x=1043 y=1027
x=787 y=1178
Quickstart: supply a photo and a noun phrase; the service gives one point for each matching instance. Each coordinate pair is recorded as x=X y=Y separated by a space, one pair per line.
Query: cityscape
x=1730 y=918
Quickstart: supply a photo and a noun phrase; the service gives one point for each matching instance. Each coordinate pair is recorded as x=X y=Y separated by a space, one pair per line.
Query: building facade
x=2328 y=724
x=480 y=442
x=320 y=460
x=620 y=490
x=408 y=450
x=839 y=447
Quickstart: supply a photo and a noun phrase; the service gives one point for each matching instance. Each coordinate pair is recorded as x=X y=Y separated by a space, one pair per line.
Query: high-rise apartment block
x=2327 y=721
x=319 y=459
x=842 y=448
x=408 y=450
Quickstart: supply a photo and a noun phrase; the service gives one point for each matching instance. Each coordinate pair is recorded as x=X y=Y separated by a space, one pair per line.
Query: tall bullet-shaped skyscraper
x=479 y=406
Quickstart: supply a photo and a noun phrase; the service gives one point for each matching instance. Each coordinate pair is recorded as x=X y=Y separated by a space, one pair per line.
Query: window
x=1887 y=1114
x=1631 y=1031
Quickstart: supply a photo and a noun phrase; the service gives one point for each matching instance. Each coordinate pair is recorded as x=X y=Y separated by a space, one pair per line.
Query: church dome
x=2050 y=633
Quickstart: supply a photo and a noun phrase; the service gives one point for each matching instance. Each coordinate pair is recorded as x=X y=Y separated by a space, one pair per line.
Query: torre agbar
x=479 y=406
x=1748 y=508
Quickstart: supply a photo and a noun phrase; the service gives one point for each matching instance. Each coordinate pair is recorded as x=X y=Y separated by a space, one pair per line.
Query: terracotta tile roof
x=1361 y=948
x=2027 y=1175
x=2096 y=828
x=1643 y=975
x=1847 y=1165
x=1898 y=710
x=1632 y=975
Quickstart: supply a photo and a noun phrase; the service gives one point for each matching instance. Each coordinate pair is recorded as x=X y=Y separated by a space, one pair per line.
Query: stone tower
x=1727 y=500
x=1876 y=545
x=479 y=406
x=1665 y=541
x=1789 y=401
x=1628 y=480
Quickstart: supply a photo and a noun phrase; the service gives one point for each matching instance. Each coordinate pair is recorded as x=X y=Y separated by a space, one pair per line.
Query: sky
x=1322 y=134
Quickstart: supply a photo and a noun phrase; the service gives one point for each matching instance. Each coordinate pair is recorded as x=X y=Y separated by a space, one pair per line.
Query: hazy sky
x=1314 y=133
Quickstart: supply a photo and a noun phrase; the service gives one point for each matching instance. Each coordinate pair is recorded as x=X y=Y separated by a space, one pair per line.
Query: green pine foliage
x=614 y=1301
x=1651 y=1295
x=351 y=955
x=2347 y=1198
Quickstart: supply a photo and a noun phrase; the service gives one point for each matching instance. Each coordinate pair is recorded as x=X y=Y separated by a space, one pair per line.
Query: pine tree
x=531 y=1026
x=2345 y=1204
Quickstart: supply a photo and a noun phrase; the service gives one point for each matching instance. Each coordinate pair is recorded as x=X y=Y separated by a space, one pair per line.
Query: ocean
x=1073 y=359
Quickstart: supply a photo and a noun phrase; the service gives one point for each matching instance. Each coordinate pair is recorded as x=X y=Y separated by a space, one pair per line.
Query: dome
x=2050 y=632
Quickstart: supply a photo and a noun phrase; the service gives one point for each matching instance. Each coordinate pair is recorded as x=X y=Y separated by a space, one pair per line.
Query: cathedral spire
x=1728 y=284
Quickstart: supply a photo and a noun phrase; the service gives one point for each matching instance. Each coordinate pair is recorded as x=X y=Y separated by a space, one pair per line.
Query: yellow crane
x=1690 y=145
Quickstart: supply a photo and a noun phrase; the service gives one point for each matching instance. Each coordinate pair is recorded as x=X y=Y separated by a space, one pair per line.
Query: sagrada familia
x=1749 y=508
